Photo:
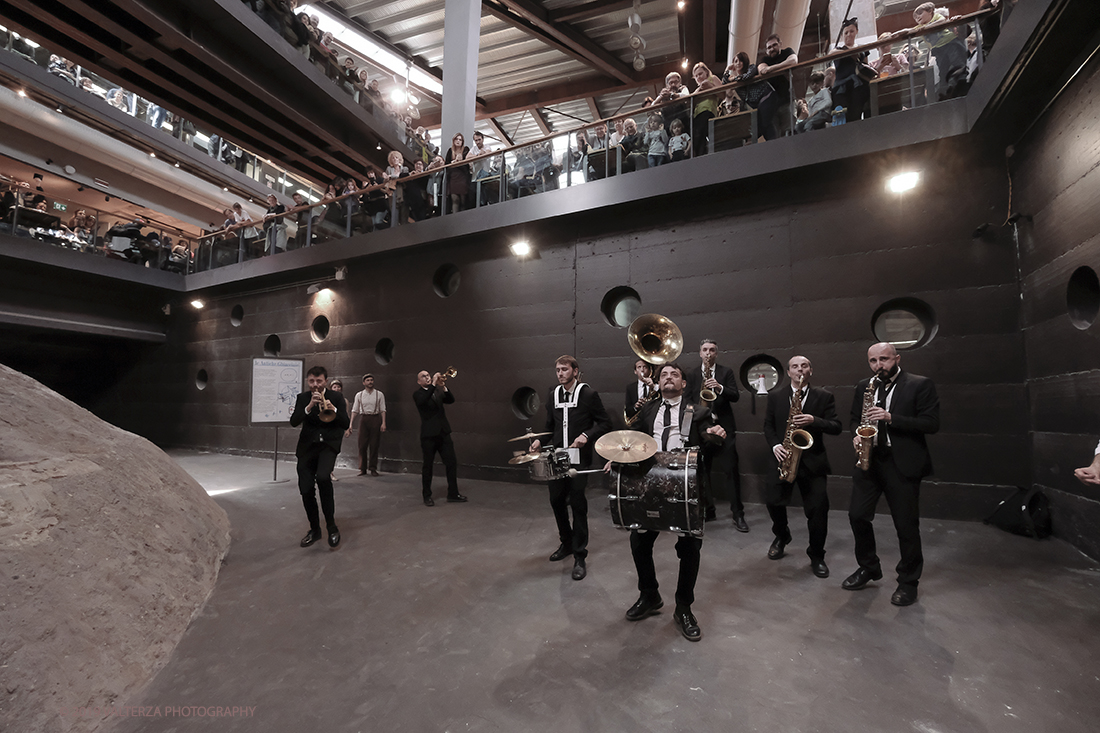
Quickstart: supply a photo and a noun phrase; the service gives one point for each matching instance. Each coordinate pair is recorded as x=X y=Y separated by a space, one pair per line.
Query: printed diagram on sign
x=289 y=386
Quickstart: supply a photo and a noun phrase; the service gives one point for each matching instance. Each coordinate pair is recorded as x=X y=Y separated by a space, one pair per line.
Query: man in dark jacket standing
x=817 y=417
x=906 y=408
x=318 y=446
x=435 y=433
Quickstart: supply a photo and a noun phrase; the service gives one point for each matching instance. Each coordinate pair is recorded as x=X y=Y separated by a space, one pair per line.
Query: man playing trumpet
x=814 y=413
x=323 y=415
x=906 y=408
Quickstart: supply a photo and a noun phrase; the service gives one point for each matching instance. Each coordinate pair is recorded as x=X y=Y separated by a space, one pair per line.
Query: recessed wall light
x=902 y=182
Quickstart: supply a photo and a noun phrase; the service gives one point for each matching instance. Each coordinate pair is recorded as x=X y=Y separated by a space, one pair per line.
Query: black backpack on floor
x=1025 y=512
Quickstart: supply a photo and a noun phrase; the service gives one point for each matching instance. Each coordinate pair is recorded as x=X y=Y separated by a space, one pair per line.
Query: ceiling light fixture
x=197 y=304
x=22 y=92
x=902 y=182
x=684 y=64
x=520 y=249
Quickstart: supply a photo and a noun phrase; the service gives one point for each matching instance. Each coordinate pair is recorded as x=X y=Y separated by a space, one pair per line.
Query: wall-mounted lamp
x=167 y=309
x=521 y=249
x=314 y=288
x=902 y=182
x=197 y=304
x=342 y=273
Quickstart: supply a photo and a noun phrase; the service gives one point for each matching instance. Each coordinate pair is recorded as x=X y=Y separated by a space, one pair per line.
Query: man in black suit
x=664 y=420
x=723 y=382
x=637 y=389
x=818 y=417
x=318 y=446
x=435 y=433
x=576 y=417
x=906 y=408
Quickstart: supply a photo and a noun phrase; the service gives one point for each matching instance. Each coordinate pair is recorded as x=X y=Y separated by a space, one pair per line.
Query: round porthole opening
x=236 y=316
x=620 y=306
x=907 y=323
x=525 y=403
x=201 y=379
x=273 y=345
x=1083 y=297
x=446 y=280
x=383 y=351
x=319 y=329
x=761 y=373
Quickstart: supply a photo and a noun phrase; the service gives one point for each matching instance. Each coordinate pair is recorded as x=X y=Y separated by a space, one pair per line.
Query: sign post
x=275 y=385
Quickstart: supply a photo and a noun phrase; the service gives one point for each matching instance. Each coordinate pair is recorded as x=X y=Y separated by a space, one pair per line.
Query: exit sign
x=58 y=206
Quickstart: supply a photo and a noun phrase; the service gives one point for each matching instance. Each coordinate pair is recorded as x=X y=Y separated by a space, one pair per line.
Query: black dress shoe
x=687 y=624
x=456 y=499
x=429 y=502
x=710 y=515
x=645 y=606
x=373 y=472
x=311 y=537
x=333 y=537
x=739 y=523
x=860 y=578
x=362 y=473
x=905 y=595
x=777 y=550
x=561 y=553
x=579 y=571
x=819 y=568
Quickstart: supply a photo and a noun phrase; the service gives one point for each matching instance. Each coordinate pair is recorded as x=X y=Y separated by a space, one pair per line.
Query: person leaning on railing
x=706 y=107
x=458 y=176
x=845 y=77
x=759 y=95
x=633 y=146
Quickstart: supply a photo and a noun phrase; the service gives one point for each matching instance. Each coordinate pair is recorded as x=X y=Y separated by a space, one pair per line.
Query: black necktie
x=668 y=426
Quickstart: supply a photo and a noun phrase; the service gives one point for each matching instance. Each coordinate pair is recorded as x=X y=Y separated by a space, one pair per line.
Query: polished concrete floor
x=451 y=619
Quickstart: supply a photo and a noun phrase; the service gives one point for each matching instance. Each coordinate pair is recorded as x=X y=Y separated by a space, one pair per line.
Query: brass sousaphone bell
x=657 y=341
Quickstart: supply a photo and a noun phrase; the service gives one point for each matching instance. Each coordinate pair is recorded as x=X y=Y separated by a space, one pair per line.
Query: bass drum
x=661 y=493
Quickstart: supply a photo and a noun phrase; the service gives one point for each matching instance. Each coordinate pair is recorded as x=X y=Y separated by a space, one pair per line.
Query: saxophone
x=867 y=430
x=795 y=440
x=706 y=394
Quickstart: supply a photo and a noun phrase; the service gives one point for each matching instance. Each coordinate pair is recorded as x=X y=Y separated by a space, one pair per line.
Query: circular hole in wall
x=201 y=379
x=1083 y=297
x=620 y=306
x=525 y=403
x=273 y=345
x=761 y=371
x=446 y=280
x=907 y=323
x=236 y=316
x=383 y=351
x=319 y=329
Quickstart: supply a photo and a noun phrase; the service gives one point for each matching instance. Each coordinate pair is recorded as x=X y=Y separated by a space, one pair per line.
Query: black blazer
x=697 y=436
x=723 y=406
x=819 y=403
x=315 y=431
x=588 y=417
x=914 y=412
x=429 y=403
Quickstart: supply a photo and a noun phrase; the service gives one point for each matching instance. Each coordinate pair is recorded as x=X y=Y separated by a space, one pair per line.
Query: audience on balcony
x=673 y=90
x=759 y=95
x=634 y=148
x=656 y=141
x=458 y=177
x=772 y=60
x=849 y=76
x=679 y=142
x=706 y=107
x=814 y=112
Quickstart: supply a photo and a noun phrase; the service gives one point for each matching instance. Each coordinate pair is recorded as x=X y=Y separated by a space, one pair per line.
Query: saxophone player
x=906 y=408
x=800 y=406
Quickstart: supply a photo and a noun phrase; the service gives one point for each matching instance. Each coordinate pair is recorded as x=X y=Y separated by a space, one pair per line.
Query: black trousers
x=315 y=468
x=445 y=447
x=815 y=505
x=687 y=549
x=902 y=496
x=370 y=434
x=724 y=461
x=565 y=493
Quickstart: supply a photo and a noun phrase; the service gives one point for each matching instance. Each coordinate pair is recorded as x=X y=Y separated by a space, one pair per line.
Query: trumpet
x=450 y=373
x=328 y=410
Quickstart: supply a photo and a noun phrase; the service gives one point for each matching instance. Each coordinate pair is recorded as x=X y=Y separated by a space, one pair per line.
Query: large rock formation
x=107 y=551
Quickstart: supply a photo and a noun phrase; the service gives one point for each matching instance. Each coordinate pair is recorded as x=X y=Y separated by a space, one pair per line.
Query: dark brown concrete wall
x=1057 y=182
x=789 y=265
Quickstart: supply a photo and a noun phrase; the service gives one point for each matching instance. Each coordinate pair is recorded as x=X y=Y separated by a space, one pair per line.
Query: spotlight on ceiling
x=520 y=249
x=197 y=304
x=684 y=64
x=902 y=182
x=225 y=188
x=379 y=146
x=177 y=164
x=22 y=92
x=60 y=110
x=152 y=155
x=680 y=5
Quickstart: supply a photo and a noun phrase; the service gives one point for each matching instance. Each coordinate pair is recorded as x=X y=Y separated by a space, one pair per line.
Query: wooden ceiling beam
x=588 y=10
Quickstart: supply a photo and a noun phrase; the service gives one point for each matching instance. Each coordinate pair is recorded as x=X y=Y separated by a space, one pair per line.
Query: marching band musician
x=638 y=389
x=664 y=420
x=576 y=417
x=723 y=382
x=318 y=446
x=906 y=408
x=435 y=434
x=817 y=417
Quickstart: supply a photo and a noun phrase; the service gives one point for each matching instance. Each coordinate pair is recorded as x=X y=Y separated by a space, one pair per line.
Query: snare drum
x=551 y=465
x=661 y=494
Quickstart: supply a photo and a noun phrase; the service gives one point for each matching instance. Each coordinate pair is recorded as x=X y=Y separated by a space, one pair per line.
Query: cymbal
x=626 y=446
x=523 y=458
x=527 y=437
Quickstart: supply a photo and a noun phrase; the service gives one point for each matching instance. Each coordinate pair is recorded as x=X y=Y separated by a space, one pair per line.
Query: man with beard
x=906 y=408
